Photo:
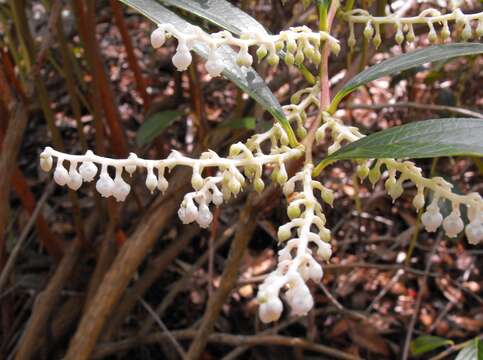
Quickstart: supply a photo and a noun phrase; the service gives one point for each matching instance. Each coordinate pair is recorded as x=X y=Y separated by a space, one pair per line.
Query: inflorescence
x=305 y=237
x=300 y=43
x=404 y=26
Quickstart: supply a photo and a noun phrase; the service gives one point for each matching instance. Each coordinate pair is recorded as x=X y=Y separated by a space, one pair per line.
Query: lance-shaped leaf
x=221 y=13
x=246 y=79
x=403 y=62
x=422 y=139
x=426 y=343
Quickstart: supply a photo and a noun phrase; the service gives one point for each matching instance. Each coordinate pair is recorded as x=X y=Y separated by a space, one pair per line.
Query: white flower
x=75 y=179
x=61 y=176
x=46 y=162
x=270 y=310
x=158 y=38
x=474 y=233
x=105 y=185
x=88 y=171
x=121 y=189
x=182 y=59
x=453 y=224
x=214 y=66
x=151 y=180
x=188 y=212
x=432 y=218
x=204 y=216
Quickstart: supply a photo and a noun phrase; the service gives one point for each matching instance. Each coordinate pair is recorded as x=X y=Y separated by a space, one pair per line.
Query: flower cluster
x=244 y=164
x=405 y=25
x=401 y=171
x=300 y=43
x=296 y=263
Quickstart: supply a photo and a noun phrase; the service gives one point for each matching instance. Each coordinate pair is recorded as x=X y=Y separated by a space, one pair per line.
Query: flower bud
x=328 y=196
x=291 y=45
x=474 y=233
x=396 y=190
x=374 y=174
x=270 y=310
x=188 y=211
x=121 y=189
x=273 y=59
x=244 y=58
x=289 y=59
x=204 y=216
x=399 y=37
x=453 y=224
x=299 y=57
x=61 y=176
x=130 y=168
x=368 y=31
x=324 y=251
x=197 y=181
x=432 y=219
x=262 y=52
x=75 y=179
x=376 y=41
x=217 y=197
x=88 y=171
x=282 y=176
x=410 y=36
x=288 y=187
x=162 y=184
x=301 y=132
x=362 y=171
x=158 y=38
x=234 y=185
x=46 y=162
x=182 y=59
x=105 y=185
x=259 y=185
x=293 y=211
x=418 y=201
x=334 y=48
x=284 y=233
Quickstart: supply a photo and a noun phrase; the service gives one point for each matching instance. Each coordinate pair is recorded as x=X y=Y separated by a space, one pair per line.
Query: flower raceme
x=405 y=25
x=305 y=237
x=244 y=164
x=300 y=43
x=297 y=263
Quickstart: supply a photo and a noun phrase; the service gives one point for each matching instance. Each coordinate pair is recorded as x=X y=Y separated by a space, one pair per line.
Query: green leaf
x=155 y=125
x=248 y=122
x=246 y=79
x=426 y=343
x=406 y=61
x=422 y=139
x=472 y=351
x=219 y=12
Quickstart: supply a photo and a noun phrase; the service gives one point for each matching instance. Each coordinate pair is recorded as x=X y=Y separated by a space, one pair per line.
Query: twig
x=414 y=105
x=419 y=299
x=222 y=338
x=179 y=285
x=23 y=236
x=339 y=306
x=163 y=327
